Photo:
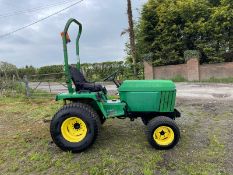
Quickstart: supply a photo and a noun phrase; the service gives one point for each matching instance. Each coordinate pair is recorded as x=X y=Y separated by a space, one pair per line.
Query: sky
x=41 y=44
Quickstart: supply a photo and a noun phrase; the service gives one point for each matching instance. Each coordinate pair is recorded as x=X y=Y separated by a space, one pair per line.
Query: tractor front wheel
x=75 y=127
x=145 y=120
x=163 y=133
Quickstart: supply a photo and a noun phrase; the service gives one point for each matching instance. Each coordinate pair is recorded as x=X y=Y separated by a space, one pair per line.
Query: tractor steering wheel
x=112 y=78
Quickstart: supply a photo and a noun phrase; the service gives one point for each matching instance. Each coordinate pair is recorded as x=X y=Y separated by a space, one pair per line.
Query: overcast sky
x=103 y=21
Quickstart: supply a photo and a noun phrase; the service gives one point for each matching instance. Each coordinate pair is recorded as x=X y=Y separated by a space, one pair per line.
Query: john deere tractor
x=76 y=125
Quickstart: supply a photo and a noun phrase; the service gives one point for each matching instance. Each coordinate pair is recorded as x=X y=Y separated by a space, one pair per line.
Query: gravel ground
x=205 y=91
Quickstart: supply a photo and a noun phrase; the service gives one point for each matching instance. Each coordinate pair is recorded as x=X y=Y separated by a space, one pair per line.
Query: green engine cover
x=148 y=95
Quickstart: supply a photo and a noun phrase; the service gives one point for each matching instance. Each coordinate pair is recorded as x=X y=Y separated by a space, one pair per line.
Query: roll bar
x=66 y=59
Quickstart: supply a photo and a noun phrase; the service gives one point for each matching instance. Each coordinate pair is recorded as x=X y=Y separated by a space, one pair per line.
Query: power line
x=22 y=11
x=42 y=19
x=8 y=14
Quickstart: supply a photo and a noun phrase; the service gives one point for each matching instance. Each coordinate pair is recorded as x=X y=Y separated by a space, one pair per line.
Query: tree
x=99 y=71
x=169 y=27
x=7 y=70
x=222 y=19
x=215 y=2
x=132 y=36
x=27 y=70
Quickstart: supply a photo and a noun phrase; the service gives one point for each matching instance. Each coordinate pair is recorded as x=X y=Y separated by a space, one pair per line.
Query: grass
x=178 y=78
x=121 y=148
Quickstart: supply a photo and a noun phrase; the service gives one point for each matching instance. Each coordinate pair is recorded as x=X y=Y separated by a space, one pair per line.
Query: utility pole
x=132 y=36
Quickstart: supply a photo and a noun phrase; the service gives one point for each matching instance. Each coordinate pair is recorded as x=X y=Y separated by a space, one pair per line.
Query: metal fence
x=44 y=85
x=41 y=86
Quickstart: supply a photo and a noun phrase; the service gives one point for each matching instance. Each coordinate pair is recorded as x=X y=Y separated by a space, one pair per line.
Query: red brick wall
x=193 y=69
x=171 y=71
x=148 y=71
x=222 y=70
x=190 y=71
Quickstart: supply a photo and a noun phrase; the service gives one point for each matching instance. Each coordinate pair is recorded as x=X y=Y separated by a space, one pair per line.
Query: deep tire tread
x=75 y=106
x=162 y=121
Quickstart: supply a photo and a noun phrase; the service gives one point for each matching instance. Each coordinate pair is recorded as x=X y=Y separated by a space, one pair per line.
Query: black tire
x=101 y=117
x=102 y=120
x=167 y=123
x=83 y=112
x=145 y=120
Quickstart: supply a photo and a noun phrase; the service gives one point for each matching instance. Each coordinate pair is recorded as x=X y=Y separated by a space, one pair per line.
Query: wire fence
x=40 y=86
x=44 y=85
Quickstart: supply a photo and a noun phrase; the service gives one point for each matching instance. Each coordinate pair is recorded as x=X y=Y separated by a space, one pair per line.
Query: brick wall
x=222 y=70
x=191 y=71
x=148 y=71
x=170 y=71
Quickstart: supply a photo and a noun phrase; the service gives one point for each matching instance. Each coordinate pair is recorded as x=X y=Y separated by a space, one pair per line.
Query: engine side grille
x=167 y=101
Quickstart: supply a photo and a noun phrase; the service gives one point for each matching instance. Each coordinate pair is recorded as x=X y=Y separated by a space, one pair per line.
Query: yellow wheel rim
x=164 y=135
x=74 y=129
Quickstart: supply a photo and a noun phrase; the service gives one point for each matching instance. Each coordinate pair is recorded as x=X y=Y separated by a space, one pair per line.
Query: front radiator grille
x=167 y=101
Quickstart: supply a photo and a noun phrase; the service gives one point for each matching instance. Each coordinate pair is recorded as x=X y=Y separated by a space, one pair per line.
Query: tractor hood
x=147 y=86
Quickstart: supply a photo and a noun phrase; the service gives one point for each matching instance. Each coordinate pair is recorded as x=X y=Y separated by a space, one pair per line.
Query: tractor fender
x=87 y=98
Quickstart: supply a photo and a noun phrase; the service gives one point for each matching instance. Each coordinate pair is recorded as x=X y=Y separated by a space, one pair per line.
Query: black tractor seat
x=81 y=84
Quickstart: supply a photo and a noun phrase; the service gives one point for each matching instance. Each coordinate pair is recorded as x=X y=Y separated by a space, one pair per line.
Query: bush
x=11 y=88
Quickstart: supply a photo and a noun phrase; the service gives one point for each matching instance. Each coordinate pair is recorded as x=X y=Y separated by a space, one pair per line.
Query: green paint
x=75 y=95
x=148 y=95
x=114 y=109
x=147 y=86
x=141 y=101
x=66 y=62
x=135 y=95
x=109 y=108
x=167 y=101
x=81 y=96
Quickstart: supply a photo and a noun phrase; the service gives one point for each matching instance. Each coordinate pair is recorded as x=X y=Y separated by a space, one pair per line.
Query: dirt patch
x=205 y=91
x=206 y=145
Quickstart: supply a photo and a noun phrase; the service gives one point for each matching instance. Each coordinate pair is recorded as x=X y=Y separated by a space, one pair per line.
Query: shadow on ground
x=206 y=145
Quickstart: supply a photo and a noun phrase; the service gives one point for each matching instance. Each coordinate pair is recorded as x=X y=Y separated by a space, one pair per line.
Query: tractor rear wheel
x=102 y=120
x=163 y=133
x=75 y=127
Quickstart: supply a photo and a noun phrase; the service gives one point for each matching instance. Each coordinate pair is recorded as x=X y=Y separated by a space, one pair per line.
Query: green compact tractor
x=76 y=125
